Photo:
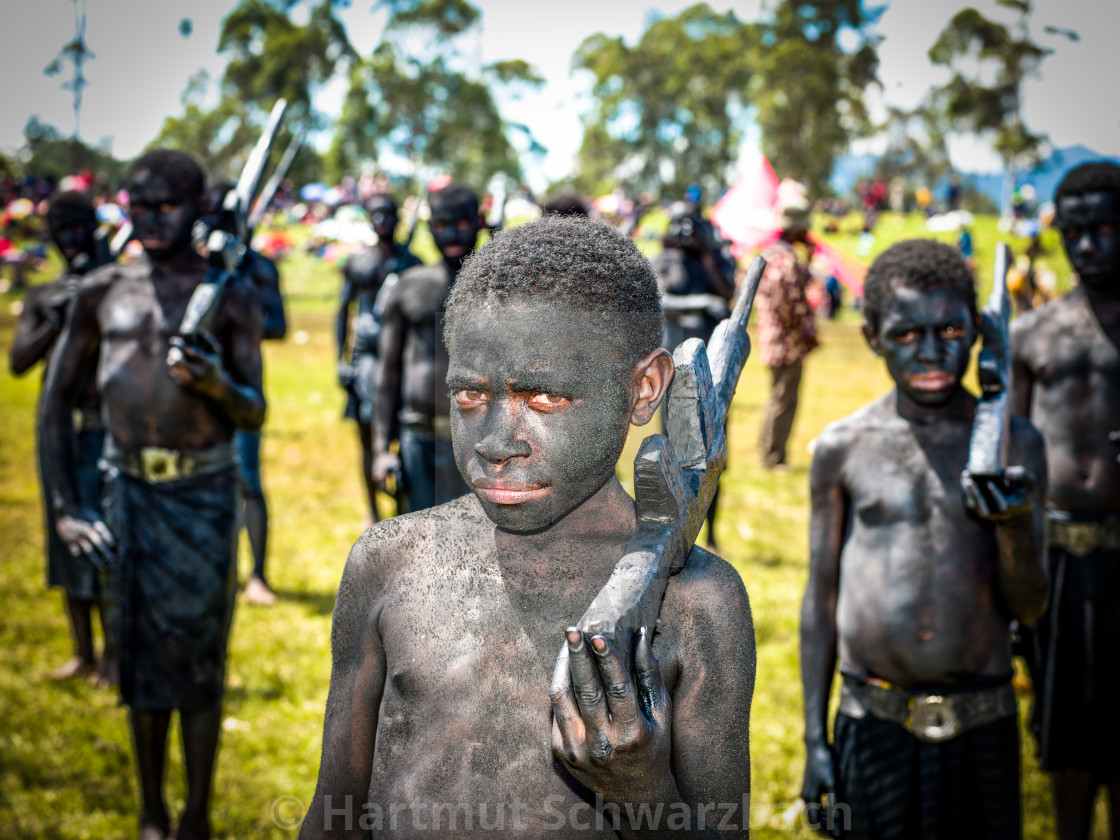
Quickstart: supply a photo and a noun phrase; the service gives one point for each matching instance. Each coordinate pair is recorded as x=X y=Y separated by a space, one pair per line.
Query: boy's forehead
x=1076 y=209
x=906 y=300
x=535 y=335
x=453 y=209
x=148 y=183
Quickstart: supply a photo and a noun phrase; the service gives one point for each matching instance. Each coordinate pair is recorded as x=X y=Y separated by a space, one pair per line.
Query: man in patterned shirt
x=788 y=330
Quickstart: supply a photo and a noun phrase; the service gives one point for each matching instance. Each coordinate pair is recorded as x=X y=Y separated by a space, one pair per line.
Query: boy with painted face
x=912 y=584
x=448 y=622
x=412 y=404
x=72 y=224
x=365 y=274
x=1066 y=378
x=169 y=533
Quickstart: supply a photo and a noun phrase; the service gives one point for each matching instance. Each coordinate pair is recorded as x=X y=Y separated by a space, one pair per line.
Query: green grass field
x=65 y=757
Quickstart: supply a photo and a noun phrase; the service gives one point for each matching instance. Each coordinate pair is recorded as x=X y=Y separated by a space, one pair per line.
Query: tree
x=670 y=110
x=817 y=59
x=414 y=98
x=917 y=148
x=1003 y=53
x=270 y=57
x=46 y=152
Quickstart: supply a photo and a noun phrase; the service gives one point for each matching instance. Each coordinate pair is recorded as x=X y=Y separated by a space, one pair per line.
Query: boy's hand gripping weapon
x=675 y=477
x=227 y=243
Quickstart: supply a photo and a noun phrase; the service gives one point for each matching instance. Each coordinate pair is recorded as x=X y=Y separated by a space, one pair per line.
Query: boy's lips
x=932 y=381
x=508 y=492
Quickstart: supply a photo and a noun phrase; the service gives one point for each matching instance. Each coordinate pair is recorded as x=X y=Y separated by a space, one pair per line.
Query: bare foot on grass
x=76 y=667
x=258 y=593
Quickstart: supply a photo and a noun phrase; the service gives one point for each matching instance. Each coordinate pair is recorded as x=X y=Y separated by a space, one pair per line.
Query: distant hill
x=849 y=169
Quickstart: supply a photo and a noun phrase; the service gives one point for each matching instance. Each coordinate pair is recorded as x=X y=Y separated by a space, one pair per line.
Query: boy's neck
x=184 y=260
x=961 y=406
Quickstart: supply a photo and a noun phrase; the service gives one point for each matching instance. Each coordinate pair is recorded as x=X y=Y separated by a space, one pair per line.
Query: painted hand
x=613 y=736
x=999 y=498
x=384 y=465
x=197 y=366
x=84 y=533
x=820 y=780
x=347 y=373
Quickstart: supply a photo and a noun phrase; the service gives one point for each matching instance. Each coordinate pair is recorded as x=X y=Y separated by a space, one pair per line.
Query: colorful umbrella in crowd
x=747 y=215
x=19 y=209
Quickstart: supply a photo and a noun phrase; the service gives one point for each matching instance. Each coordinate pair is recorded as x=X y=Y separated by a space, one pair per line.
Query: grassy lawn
x=65 y=758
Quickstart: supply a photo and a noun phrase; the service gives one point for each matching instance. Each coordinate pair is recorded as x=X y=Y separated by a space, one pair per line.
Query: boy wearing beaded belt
x=1066 y=379
x=170 y=503
x=912 y=583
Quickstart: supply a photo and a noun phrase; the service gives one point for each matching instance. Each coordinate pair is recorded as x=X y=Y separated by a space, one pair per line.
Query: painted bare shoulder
x=421 y=539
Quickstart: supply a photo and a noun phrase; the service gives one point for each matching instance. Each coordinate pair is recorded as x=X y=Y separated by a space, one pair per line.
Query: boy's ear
x=652 y=376
x=871 y=338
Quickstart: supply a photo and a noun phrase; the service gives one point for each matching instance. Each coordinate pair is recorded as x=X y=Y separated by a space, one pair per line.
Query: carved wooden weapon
x=268 y=192
x=989 y=427
x=228 y=242
x=675 y=476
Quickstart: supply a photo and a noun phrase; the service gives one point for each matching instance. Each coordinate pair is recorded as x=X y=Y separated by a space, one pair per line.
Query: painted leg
x=1074 y=792
x=84 y=662
x=200 y=750
x=257 y=590
x=107 y=675
x=365 y=435
x=149 y=733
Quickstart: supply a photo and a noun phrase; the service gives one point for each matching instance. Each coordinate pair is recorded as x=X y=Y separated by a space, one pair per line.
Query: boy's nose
x=929 y=350
x=503 y=436
x=1086 y=243
x=497 y=447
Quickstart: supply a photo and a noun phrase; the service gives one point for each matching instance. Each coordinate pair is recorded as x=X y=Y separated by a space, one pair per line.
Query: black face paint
x=384 y=221
x=683 y=234
x=455 y=229
x=540 y=409
x=162 y=215
x=925 y=339
x=1089 y=225
x=73 y=234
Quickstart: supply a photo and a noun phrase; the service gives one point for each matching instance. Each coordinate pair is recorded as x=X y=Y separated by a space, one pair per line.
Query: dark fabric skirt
x=899 y=787
x=1076 y=679
x=77 y=575
x=173 y=585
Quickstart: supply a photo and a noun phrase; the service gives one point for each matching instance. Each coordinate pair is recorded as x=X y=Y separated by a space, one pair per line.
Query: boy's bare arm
x=828 y=514
x=390 y=354
x=634 y=745
x=342 y=320
x=275 y=325
x=350 y=723
x=81 y=529
x=36 y=333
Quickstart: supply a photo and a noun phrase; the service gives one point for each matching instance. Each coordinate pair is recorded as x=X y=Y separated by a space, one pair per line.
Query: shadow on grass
x=317 y=603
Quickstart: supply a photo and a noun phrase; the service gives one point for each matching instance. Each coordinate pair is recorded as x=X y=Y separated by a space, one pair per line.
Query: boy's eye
x=548 y=402
x=906 y=337
x=166 y=208
x=1105 y=230
x=951 y=331
x=470 y=399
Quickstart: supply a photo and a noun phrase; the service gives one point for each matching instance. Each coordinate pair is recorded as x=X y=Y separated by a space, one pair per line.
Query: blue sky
x=142 y=65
